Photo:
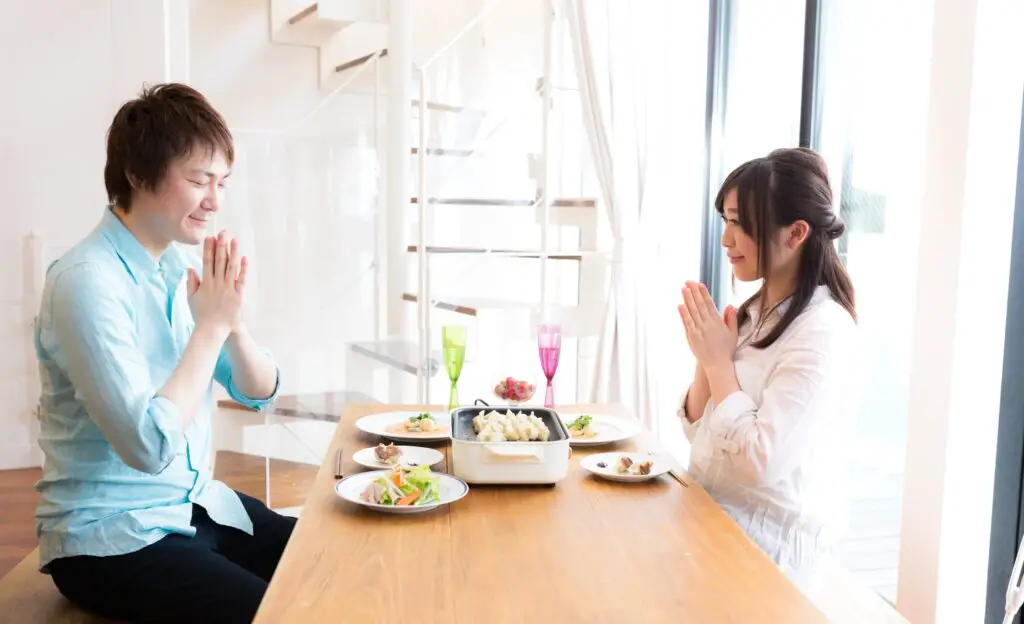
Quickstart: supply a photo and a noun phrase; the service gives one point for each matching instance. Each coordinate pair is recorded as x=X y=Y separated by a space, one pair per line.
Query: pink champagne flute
x=549 y=344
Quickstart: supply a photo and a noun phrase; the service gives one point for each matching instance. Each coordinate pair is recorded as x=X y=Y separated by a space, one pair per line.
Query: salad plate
x=596 y=429
x=389 y=456
x=401 y=490
x=408 y=426
x=625 y=467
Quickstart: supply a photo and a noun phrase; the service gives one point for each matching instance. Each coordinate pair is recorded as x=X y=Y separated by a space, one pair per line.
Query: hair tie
x=836 y=228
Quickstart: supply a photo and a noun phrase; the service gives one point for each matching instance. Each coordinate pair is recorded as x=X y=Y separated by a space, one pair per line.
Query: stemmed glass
x=549 y=346
x=453 y=340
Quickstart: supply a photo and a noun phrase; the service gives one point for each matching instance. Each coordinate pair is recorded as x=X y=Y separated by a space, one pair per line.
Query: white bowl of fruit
x=515 y=391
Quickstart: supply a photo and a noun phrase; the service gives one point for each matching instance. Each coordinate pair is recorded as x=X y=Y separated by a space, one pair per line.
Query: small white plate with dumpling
x=625 y=467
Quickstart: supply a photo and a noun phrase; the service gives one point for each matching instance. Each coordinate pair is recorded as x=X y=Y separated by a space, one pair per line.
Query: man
x=130 y=335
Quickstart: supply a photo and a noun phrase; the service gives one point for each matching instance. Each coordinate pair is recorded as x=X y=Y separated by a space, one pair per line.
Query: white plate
x=377 y=424
x=609 y=428
x=610 y=460
x=349 y=488
x=410 y=455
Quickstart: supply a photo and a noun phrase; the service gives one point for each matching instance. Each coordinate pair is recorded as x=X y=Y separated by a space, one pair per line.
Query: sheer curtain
x=641 y=83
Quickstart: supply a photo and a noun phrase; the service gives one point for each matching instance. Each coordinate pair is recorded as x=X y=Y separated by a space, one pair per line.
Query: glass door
x=872 y=86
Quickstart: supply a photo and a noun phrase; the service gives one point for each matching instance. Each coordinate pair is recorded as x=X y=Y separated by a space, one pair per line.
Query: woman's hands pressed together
x=711 y=336
x=712 y=339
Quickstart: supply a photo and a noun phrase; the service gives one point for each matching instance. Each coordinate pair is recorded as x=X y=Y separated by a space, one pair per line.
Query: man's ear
x=132 y=180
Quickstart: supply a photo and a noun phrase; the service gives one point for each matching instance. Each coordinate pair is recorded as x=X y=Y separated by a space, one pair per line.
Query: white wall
x=58 y=84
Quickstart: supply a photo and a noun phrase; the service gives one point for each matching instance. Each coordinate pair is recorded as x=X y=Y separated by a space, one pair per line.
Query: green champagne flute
x=453 y=340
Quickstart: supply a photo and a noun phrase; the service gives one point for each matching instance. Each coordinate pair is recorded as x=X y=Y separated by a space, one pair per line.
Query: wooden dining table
x=582 y=550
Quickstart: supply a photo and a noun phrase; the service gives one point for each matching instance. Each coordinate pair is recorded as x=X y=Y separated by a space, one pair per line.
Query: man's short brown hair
x=166 y=122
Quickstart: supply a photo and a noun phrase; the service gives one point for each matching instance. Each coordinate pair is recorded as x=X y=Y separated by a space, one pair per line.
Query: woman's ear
x=798 y=234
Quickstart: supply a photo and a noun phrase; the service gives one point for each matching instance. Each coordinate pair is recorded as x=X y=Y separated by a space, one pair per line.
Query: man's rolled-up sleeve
x=222 y=374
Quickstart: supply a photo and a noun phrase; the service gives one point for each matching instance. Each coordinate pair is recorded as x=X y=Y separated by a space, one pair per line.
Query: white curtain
x=619 y=55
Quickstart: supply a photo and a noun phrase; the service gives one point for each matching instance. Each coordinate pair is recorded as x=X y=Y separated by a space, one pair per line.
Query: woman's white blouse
x=773 y=454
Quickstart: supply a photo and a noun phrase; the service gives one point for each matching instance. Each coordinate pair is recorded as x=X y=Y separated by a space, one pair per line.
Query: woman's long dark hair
x=773 y=192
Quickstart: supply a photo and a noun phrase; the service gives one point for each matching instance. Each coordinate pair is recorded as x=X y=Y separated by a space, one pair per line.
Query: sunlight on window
x=874 y=82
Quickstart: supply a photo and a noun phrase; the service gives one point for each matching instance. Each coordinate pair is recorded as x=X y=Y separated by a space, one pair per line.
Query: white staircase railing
x=425 y=301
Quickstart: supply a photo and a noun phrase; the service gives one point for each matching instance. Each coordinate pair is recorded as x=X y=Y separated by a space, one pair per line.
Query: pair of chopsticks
x=678 y=477
x=675 y=473
x=339 y=468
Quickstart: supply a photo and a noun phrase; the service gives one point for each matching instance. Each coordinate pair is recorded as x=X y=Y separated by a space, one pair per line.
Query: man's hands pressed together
x=216 y=297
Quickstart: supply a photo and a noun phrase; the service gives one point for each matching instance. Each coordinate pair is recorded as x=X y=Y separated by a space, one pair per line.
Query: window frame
x=1008 y=490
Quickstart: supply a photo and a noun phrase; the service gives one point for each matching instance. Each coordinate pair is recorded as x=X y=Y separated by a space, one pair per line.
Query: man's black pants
x=220 y=575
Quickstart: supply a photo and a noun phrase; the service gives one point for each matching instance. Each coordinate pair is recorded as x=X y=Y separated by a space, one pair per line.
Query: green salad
x=582 y=422
x=404 y=486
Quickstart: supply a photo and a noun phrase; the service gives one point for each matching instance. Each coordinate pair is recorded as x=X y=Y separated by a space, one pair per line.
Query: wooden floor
x=871 y=549
x=289 y=484
x=17 y=504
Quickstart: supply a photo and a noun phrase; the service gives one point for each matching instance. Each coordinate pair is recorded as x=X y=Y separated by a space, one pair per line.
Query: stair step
x=574 y=202
x=309 y=11
x=401 y=354
x=575 y=320
x=446 y=108
x=472 y=306
x=368 y=11
x=361 y=60
x=475 y=201
x=348 y=56
x=308 y=27
x=441 y=305
x=578 y=256
x=445 y=151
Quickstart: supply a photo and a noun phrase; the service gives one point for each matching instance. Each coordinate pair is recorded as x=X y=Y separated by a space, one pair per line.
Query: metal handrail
x=470 y=25
x=374 y=59
x=327 y=98
x=422 y=258
x=423 y=282
x=423 y=275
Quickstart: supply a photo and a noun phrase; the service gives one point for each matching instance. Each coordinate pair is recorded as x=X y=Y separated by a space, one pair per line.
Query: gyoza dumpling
x=533 y=432
x=491 y=436
x=511 y=433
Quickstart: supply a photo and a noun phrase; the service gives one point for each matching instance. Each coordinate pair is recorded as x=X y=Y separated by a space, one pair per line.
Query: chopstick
x=339 y=469
x=678 y=477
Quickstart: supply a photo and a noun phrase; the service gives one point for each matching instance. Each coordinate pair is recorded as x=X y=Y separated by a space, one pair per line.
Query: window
x=763 y=55
x=873 y=84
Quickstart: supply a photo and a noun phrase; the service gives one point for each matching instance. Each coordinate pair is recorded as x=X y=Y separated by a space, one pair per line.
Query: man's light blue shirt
x=119 y=471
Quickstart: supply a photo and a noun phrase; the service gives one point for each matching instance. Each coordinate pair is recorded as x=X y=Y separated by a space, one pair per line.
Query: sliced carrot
x=410 y=499
x=396 y=478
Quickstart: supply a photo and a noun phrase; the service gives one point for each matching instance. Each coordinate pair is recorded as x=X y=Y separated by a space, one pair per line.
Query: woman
x=773 y=394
